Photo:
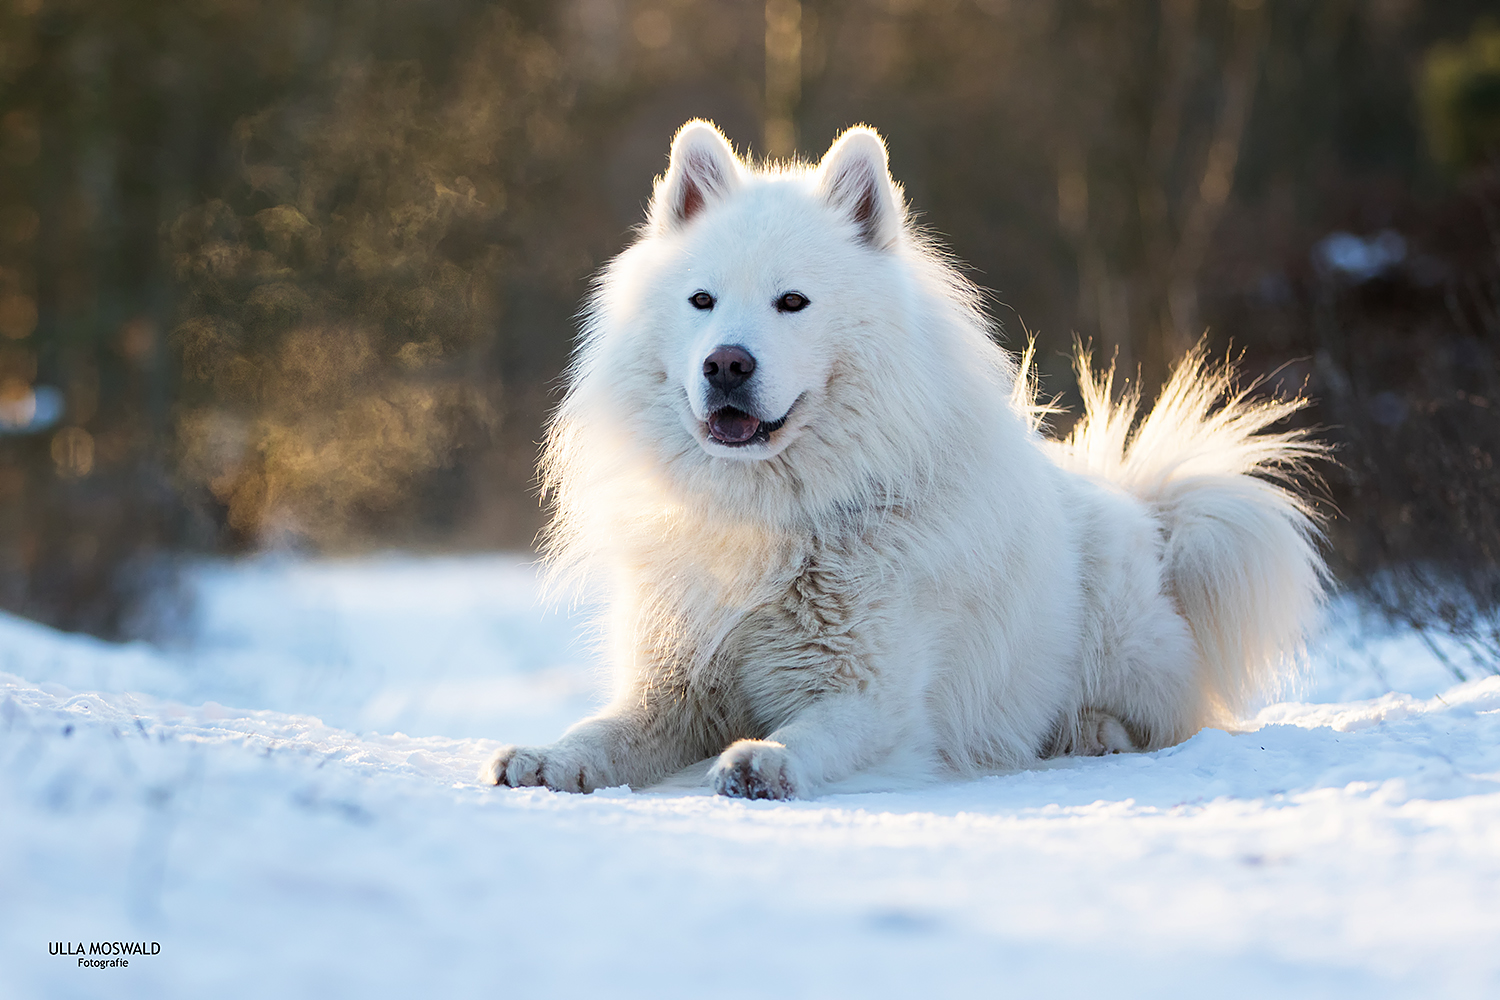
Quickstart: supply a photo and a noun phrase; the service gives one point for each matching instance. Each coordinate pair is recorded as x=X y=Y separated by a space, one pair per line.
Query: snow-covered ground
x=284 y=802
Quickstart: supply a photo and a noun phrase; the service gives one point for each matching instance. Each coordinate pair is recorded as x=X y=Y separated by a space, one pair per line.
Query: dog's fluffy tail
x=1242 y=538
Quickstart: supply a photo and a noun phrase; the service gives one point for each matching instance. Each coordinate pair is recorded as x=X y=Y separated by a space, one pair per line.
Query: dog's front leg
x=626 y=745
x=829 y=739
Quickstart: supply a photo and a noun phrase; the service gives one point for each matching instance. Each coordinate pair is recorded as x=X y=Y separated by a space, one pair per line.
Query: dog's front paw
x=757 y=769
x=562 y=767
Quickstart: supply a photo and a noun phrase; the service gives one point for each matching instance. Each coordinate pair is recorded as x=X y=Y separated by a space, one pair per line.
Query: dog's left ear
x=855 y=179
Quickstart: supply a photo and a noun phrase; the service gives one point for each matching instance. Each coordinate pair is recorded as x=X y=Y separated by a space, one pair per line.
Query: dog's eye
x=791 y=302
x=701 y=300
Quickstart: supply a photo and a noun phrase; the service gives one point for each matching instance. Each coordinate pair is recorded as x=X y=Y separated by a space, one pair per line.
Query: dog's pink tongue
x=732 y=426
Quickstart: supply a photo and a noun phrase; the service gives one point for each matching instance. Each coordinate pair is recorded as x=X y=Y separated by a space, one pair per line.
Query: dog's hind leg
x=1092 y=733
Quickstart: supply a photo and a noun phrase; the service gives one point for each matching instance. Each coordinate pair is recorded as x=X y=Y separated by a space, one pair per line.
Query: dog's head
x=764 y=284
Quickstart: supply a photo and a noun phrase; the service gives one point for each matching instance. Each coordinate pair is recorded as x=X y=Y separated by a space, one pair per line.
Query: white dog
x=836 y=536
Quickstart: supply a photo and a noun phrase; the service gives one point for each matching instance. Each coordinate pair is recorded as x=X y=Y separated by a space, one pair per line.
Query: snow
x=325 y=835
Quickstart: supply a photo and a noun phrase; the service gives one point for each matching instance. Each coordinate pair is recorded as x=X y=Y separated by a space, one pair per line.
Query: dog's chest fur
x=805 y=633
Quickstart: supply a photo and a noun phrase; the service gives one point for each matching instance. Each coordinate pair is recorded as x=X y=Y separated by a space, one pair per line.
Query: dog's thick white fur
x=857 y=545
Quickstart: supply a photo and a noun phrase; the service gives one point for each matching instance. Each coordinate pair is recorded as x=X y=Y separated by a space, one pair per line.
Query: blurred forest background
x=301 y=274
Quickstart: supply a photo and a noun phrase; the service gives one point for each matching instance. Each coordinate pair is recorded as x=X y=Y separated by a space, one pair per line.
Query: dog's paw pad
x=517 y=767
x=754 y=769
x=559 y=767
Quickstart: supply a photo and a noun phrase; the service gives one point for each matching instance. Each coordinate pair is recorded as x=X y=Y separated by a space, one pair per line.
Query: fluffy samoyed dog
x=836 y=536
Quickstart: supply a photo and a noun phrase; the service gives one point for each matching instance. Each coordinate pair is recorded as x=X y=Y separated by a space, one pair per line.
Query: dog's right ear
x=703 y=170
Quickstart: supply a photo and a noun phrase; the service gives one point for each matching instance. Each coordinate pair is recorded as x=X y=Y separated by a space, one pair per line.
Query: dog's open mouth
x=736 y=428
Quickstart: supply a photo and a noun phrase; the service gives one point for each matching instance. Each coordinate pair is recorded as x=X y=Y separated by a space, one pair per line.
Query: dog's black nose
x=728 y=366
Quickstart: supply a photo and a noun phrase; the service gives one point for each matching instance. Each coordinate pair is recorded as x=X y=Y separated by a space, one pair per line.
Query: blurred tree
x=1460 y=95
x=303 y=272
x=338 y=312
